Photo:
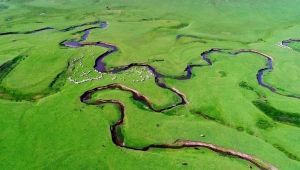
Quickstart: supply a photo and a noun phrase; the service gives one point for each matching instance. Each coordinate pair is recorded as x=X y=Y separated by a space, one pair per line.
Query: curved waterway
x=100 y=23
x=178 y=144
x=286 y=42
x=101 y=67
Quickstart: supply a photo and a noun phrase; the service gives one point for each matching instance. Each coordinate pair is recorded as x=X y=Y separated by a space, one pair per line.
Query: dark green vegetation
x=2 y=7
x=44 y=125
x=278 y=115
x=290 y=155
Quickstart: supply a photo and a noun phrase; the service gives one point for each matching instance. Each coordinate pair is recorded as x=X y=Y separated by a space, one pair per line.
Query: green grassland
x=44 y=125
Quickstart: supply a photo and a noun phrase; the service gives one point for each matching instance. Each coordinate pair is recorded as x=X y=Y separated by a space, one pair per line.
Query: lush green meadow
x=44 y=125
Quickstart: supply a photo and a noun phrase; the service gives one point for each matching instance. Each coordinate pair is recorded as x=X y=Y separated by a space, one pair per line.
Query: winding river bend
x=101 y=67
x=100 y=23
x=178 y=144
x=286 y=42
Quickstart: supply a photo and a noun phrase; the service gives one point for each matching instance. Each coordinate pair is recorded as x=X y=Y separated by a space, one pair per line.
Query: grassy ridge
x=11 y=94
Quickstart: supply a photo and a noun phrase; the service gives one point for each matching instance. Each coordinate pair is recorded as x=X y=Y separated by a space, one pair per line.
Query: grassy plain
x=43 y=125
